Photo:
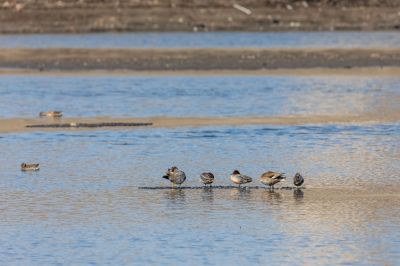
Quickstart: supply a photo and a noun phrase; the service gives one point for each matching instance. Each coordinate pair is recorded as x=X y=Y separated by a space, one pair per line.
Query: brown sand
x=19 y=124
x=195 y=59
x=27 y=16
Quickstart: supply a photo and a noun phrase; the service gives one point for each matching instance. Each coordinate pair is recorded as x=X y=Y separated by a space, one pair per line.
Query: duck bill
x=165 y=176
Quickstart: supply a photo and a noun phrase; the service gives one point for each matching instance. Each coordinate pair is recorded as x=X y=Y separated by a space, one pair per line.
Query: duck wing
x=246 y=179
x=207 y=177
x=273 y=175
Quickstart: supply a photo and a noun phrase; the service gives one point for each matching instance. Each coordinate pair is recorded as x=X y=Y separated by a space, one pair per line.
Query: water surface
x=196 y=96
x=386 y=39
x=84 y=205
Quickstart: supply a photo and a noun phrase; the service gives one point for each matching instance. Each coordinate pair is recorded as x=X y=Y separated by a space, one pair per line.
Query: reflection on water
x=221 y=226
x=84 y=205
x=198 y=96
x=298 y=194
x=327 y=155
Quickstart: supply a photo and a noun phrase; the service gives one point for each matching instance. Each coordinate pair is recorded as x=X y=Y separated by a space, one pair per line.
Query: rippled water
x=85 y=207
x=206 y=40
x=197 y=96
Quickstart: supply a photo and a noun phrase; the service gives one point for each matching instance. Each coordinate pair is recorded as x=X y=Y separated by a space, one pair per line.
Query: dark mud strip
x=218 y=187
x=64 y=59
x=89 y=125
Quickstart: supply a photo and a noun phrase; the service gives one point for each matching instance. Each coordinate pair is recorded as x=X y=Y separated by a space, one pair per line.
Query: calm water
x=84 y=205
x=197 y=96
x=206 y=40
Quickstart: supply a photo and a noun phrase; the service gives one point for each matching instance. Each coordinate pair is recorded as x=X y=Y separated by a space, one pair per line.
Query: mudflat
x=195 y=59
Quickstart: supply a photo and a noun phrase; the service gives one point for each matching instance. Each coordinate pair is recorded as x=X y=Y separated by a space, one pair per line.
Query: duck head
x=170 y=171
x=235 y=172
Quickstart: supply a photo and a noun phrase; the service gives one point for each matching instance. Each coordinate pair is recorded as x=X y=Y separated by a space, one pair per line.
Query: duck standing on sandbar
x=298 y=180
x=30 y=167
x=239 y=179
x=271 y=178
x=207 y=178
x=176 y=176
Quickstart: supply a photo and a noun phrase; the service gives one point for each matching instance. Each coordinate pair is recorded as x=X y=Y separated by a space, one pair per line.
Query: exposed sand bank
x=20 y=124
x=64 y=59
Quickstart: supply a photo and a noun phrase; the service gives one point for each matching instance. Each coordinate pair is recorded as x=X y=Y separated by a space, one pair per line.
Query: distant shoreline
x=246 y=59
x=45 y=16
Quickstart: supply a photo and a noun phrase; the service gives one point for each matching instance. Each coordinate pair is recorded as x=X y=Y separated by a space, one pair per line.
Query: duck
x=30 y=167
x=175 y=175
x=270 y=178
x=207 y=178
x=239 y=179
x=51 y=114
x=298 y=180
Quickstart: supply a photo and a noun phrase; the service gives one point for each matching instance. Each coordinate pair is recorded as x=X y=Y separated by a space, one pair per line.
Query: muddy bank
x=28 y=124
x=195 y=59
x=45 y=16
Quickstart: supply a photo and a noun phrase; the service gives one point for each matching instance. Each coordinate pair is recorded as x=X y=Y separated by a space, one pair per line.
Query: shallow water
x=198 y=96
x=85 y=207
x=385 y=39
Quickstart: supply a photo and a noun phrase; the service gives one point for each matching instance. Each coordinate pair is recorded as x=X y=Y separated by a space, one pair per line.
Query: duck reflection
x=240 y=193
x=175 y=195
x=272 y=196
x=207 y=194
x=298 y=194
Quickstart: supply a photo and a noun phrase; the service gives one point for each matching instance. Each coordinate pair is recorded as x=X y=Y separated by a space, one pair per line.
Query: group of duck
x=177 y=176
x=270 y=178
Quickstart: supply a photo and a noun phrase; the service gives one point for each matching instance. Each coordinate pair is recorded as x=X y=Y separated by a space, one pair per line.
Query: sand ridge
x=13 y=125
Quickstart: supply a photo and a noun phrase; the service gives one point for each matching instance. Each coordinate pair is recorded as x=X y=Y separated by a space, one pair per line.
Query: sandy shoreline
x=13 y=125
x=246 y=59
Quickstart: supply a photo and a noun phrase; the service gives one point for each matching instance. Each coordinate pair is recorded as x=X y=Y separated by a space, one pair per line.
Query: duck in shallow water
x=29 y=167
x=239 y=179
x=271 y=178
x=51 y=114
x=207 y=178
x=298 y=180
x=175 y=175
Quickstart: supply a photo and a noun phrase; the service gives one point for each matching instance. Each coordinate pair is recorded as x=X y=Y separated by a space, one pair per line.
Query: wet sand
x=20 y=124
x=64 y=59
